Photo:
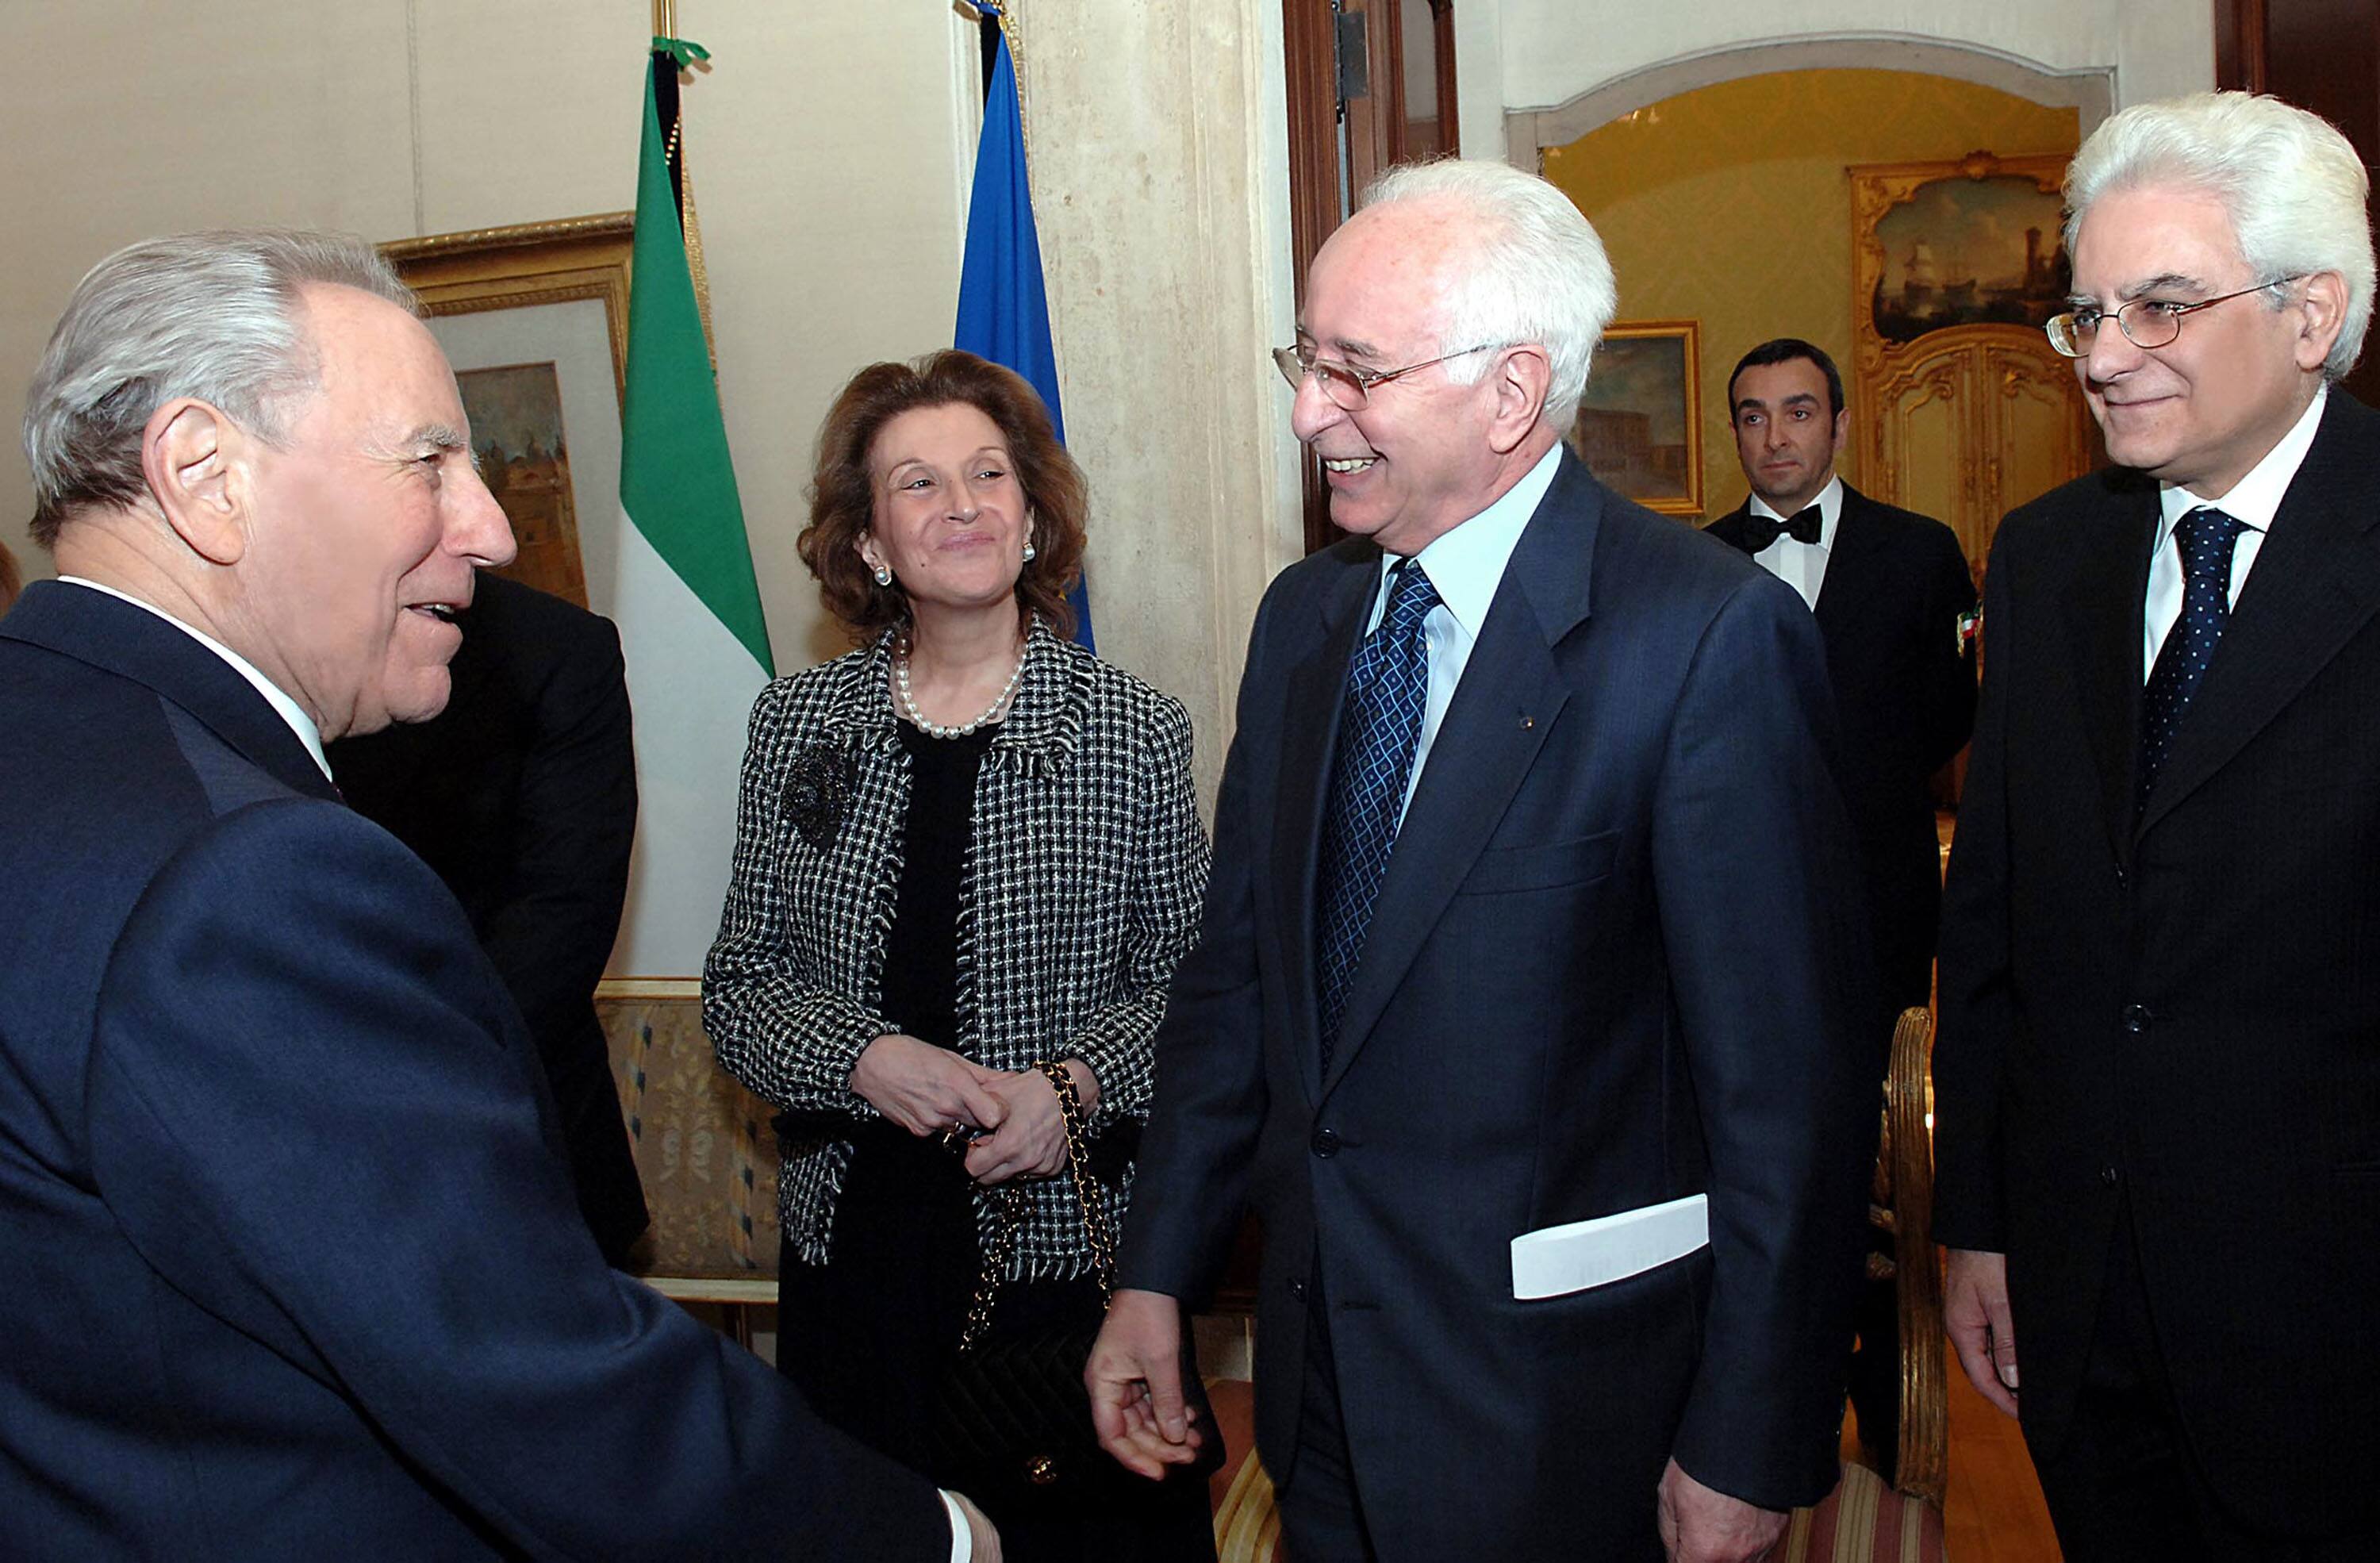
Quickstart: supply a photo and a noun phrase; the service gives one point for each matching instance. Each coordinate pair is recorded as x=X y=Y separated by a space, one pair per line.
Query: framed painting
x=535 y=320
x=1938 y=246
x=1639 y=427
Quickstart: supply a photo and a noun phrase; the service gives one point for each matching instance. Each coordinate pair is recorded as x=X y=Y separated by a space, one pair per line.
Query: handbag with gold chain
x=1012 y=1417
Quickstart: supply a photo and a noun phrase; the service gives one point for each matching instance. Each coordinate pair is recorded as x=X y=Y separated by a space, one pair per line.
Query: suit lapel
x=136 y=644
x=1853 y=564
x=1511 y=693
x=1316 y=689
x=2316 y=581
x=2101 y=609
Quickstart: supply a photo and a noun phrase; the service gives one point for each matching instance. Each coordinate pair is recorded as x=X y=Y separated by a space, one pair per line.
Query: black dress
x=868 y=1336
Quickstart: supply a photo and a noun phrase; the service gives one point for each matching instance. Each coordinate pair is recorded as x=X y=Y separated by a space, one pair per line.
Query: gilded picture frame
x=1639 y=425
x=1943 y=245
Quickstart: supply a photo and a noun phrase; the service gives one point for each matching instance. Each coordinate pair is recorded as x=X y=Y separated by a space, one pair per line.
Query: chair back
x=703 y=1146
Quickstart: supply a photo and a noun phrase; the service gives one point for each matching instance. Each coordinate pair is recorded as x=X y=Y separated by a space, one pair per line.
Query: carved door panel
x=1922 y=458
x=2038 y=434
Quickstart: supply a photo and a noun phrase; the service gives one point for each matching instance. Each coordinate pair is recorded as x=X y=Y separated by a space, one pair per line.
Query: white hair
x=2292 y=185
x=213 y=316
x=1539 y=274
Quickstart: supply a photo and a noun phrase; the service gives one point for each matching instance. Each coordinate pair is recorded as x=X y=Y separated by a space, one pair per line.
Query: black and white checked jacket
x=1080 y=891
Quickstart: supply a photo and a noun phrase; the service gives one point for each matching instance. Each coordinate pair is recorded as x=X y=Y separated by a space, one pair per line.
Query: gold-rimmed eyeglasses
x=1346 y=384
x=2145 y=322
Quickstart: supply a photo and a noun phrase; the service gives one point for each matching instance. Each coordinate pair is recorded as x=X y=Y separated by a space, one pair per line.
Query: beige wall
x=829 y=196
x=830 y=145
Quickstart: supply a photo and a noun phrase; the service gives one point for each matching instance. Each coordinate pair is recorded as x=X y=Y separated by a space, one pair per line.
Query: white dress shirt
x=1465 y=564
x=2253 y=501
x=291 y=712
x=1802 y=565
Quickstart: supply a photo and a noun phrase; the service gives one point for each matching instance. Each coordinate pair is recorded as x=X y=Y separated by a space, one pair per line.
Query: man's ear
x=190 y=459
x=1842 y=428
x=1519 y=378
x=2322 y=312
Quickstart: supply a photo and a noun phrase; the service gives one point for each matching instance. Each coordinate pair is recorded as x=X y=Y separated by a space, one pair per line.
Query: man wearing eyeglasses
x=1533 y=905
x=2158 y=1077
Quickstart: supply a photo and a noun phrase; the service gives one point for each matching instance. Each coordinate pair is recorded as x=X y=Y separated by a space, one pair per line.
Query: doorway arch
x=2090 y=91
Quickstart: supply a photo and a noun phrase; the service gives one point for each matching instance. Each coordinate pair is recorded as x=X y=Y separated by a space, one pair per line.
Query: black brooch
x=818 y=793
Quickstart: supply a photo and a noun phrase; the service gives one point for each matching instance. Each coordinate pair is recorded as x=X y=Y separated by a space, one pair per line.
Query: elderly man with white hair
x=1534 y=904
x=295 y=1269
x=2158 y=1077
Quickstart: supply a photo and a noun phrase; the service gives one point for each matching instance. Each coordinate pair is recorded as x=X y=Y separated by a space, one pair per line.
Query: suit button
x=2109 y=1176
x=1297 y=1289
x=1326 y=1142
x=2136 y=1019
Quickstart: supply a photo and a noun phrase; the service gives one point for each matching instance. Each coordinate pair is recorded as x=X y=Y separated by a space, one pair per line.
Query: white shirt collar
x=291 y=712
x=1465 y=562
x=2256 y=499
x=1830 y=509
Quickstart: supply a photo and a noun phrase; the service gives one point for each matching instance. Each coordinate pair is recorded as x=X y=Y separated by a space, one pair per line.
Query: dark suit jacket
x=1903 y=676
x=2183 y=1012
x=1604 y=971
x=522 y=795
x=295 y=1269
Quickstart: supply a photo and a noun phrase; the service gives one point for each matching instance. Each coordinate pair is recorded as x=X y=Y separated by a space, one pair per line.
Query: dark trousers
x=2122 y=1483
x=1321 y=1509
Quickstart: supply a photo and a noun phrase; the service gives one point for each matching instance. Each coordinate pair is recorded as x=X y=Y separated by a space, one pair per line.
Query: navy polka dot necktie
x=2205 y=536
x=1388 y=685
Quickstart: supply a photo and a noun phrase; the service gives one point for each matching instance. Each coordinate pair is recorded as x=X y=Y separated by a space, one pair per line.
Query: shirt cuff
x=962 y=1539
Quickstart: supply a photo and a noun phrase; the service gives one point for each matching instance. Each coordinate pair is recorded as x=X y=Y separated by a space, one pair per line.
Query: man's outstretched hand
x=1135 y=1379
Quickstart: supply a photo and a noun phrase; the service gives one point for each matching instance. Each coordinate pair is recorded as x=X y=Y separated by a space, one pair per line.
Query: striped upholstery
x=1865 y=1521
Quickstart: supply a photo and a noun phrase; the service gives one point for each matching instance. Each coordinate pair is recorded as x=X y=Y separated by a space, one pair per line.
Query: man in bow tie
x=1894 y=603
x=2158 y=1079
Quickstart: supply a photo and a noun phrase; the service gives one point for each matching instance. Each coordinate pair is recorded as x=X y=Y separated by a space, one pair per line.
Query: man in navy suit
x=1533 y=903
x=2157 y=1085
x=1896 y=608
x=295 y=1269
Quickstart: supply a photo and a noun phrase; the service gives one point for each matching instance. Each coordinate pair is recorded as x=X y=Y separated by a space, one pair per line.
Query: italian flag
x=688 y=606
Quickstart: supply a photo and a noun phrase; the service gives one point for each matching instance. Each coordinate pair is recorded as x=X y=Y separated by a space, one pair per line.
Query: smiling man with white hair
x=295 y=1269
x=2158 y=1077
x=1529 y=907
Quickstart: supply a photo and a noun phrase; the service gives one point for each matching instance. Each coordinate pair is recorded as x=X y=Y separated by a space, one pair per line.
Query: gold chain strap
x=1087 y=1195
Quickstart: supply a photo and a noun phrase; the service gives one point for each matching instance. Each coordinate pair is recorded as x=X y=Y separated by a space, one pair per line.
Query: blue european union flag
x=1004 y=308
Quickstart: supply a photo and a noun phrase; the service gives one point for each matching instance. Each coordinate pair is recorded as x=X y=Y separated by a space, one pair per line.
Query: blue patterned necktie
x=2205 y=536
x=1388 y=685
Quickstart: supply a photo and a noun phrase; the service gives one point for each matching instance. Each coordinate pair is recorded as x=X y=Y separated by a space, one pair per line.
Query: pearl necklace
x=935 y=729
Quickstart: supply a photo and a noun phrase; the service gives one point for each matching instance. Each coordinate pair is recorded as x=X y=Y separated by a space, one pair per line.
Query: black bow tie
x=1759 y=531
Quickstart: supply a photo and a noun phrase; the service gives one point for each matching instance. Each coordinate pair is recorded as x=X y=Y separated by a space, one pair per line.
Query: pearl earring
x=883 y=577
x=1028 y=553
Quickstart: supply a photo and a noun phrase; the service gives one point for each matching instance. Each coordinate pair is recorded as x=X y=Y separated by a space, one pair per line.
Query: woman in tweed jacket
x=922 y=910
